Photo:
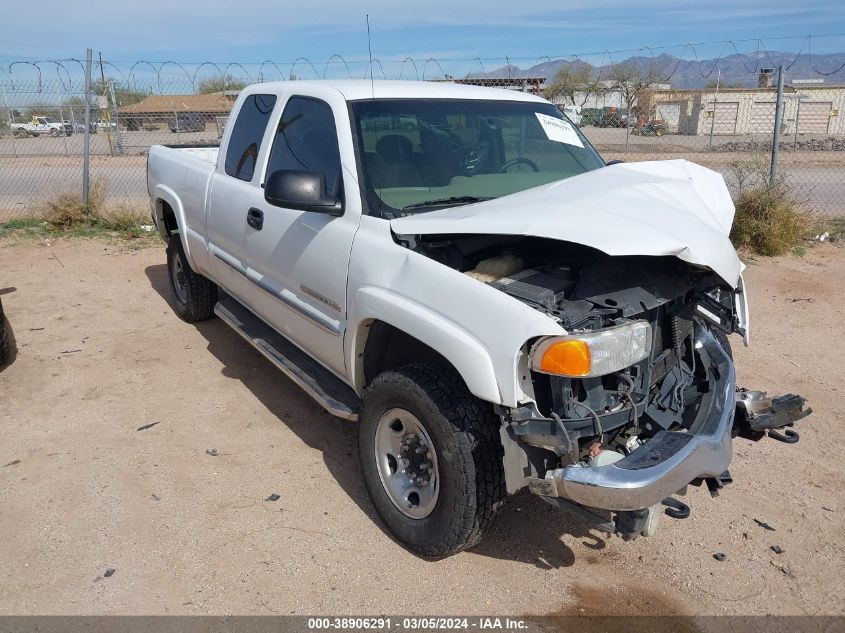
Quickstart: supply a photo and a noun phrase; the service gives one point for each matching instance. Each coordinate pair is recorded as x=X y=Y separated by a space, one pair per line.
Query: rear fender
x=162 y=193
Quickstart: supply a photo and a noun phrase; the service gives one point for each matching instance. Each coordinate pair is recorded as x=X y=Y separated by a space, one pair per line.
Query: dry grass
x=66 y=212
x=769 y=220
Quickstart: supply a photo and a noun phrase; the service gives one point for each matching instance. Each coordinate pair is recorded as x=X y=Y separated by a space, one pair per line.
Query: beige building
x=818 y=110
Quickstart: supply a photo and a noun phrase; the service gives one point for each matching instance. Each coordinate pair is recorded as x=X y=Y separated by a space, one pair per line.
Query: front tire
x=194 y=296
x=431 y=457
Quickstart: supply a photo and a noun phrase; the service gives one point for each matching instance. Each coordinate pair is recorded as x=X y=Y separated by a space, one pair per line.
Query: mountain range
x=740 y=70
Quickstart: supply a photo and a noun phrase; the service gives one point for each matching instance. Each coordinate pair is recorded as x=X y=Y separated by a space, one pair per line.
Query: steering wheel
x=517 y=161
x=472 y=161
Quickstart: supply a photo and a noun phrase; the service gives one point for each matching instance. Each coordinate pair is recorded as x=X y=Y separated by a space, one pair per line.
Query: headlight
x=593 y=353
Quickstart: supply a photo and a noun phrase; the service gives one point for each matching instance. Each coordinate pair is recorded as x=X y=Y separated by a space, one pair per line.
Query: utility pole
x=107 y=117
x=715 y=105
x=86 y=149
x=773 y=173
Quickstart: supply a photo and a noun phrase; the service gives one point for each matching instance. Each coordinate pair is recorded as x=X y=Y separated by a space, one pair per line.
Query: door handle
x=255 y=218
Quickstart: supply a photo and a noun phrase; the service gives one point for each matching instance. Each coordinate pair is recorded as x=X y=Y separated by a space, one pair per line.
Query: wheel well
x=165 y=212
x=388 y=347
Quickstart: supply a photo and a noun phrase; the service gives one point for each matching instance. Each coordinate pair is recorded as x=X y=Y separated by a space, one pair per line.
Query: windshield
x=418 y=155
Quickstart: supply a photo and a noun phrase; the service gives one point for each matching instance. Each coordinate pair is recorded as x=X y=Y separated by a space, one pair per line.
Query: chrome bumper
x=667 y=462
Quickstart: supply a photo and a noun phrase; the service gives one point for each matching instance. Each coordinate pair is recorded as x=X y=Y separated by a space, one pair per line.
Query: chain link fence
x=630 y=113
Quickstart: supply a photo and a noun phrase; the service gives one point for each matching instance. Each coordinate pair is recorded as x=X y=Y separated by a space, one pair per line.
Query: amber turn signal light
x=567 y=358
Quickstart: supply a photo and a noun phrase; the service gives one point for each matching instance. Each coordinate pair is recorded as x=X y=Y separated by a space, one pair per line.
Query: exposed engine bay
x=653 y=405
x=586 y=290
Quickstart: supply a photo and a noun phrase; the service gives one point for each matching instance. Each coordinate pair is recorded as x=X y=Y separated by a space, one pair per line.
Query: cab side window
x=306 y=140
x=245 y=142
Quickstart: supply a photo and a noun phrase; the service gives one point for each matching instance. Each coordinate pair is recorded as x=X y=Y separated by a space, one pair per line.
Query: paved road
x=46 y=166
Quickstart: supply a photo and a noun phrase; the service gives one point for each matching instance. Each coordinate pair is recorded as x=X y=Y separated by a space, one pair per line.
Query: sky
x=193 y=31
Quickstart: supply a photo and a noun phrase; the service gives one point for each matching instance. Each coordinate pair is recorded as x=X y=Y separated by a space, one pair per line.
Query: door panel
x=762 y=117
x=724 y=118
x=299 y=258
x=814 y=117
x=234 y=190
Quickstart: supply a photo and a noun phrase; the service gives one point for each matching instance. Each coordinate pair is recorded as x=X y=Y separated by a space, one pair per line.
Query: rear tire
x=4 y=339
x=465 y=451
x=194 y=296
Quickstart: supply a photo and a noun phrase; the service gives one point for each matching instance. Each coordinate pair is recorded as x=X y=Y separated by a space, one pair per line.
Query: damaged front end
x=639 y=398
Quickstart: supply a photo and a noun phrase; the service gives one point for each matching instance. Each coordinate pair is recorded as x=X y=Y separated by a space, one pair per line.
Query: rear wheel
x=194 y=296
x=431 y=459
x=4 y=339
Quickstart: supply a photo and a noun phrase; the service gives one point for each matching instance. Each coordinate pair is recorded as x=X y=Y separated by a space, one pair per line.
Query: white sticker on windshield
x=559 y=130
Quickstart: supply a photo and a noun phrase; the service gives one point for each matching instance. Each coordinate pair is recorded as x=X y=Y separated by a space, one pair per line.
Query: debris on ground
x=784 y=568
x=108 y=572
x=14 y=462
x=273 y=497
x=823 y=237
x=146 y=426
x=777 y=549
x=764 y=525
x=720 y=556
x=211 y=451
x=156 y=497
x=70 y=351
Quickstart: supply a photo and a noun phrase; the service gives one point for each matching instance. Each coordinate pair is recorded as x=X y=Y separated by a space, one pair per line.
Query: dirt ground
x=83 y=489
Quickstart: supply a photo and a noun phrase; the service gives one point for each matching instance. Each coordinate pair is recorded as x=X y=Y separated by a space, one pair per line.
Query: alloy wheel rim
x=180 y=284
x=407 y=463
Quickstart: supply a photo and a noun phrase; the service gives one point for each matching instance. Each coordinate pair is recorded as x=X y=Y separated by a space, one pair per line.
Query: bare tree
x=632 y=81
x=574 y=84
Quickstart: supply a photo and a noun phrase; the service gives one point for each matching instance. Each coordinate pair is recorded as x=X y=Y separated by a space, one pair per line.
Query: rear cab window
x=247 y=133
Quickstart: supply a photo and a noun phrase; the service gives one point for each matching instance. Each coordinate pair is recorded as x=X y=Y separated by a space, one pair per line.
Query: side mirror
x=613 y=162
x=303 y=190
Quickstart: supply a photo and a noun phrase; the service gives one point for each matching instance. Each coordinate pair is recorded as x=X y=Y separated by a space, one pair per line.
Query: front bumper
x=668 y=461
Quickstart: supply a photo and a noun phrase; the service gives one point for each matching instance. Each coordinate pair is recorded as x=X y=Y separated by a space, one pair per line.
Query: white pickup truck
x=43 y=125
x=459 y=270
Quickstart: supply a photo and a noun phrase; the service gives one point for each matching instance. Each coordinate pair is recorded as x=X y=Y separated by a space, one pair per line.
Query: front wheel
x=54 y=132
x=194 y=296
x=431 y=457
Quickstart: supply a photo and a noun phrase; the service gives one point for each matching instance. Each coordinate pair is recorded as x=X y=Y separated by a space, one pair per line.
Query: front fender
x=455 y=344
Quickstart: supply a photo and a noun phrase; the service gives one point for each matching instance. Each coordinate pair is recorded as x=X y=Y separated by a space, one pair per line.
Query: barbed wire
x=160 y=76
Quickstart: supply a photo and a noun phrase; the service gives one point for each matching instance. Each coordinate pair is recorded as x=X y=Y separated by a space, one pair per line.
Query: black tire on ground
x=4 y=339
x=54 y=132
x=465 y=434
x=195 y=296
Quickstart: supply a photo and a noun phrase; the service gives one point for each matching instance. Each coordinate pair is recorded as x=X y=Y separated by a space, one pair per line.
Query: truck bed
x=186 y=169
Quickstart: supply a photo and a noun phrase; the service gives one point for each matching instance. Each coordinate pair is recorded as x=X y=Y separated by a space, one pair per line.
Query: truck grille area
x=670 y=334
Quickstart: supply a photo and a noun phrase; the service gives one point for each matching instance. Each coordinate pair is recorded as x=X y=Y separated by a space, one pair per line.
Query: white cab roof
x=355 y=89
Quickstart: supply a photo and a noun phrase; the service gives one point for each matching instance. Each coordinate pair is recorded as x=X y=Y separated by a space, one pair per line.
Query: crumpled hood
x=651 y=208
